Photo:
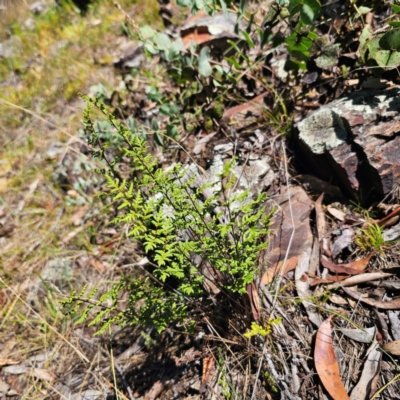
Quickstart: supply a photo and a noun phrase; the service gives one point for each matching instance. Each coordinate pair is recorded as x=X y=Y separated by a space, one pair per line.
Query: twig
x=127 y=387
x=253 y=396
x=267 y=296
x=277 y=378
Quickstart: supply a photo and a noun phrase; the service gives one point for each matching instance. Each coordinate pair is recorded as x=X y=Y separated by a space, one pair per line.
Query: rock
x=30 y=24
x=323 y=131
x=132 y=56
x=38 y=7
x=354 y=143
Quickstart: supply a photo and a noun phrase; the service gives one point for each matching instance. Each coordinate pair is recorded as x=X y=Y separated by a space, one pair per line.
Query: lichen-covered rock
x=323 y=131
x=354 y=141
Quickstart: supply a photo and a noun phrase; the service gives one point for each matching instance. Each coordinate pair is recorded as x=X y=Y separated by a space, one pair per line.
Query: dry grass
x=48 y=245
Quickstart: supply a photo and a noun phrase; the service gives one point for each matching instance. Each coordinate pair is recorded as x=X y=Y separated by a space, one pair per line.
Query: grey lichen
x=322 y=131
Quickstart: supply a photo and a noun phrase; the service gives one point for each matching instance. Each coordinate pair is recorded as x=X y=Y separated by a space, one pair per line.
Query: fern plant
x=201 y=239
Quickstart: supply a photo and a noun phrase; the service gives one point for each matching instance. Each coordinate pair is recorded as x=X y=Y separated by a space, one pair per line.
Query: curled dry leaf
x=392 y=347
x=384 y=305
x=342 y=270
x=326 y=363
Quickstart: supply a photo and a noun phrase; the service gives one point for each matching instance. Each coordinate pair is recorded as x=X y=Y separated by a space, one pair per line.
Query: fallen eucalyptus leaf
x=353 y=268
x=384 y=305
x=357 y=279
x=326 y=363
x=359 y=335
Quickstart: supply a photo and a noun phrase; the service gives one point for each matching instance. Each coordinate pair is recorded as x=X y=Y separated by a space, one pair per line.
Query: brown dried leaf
x=384 y=305
x=98 y=265
x=3 y=297
x=255 y=302
x=202 y=28
x=328 y=279
x=392 y=347
x=353 y=268
x=8 y=361
x=208 y=371
x=280 y=268
x=290 y=227
x=246 y=113
x=326 y=363
x=320 y=217
x=389 y=218
x=155 y=391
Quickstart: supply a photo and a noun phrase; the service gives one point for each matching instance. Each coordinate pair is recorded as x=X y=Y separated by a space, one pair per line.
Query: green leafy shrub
x=203 y=240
